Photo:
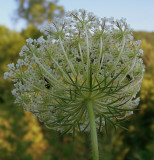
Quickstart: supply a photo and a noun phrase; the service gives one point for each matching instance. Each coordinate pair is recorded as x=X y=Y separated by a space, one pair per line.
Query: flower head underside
x=81 y=58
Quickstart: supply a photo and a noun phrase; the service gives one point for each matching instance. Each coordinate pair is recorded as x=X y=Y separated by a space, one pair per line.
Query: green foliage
x=10 y=45
x=37 y=12
x=148 y=36
x=31 y=31
x=148 y=48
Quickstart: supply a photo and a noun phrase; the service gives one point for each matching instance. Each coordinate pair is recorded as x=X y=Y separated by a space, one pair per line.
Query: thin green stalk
x=93 y=131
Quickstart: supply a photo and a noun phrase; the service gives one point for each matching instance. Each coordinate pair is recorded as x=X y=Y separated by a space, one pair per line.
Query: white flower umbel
x=84 y=73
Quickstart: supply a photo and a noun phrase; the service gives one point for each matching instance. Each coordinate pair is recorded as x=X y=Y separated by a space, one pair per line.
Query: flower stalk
x=93 y=131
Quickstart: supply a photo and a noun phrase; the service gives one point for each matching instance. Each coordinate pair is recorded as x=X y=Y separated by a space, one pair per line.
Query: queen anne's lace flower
x=82 y=58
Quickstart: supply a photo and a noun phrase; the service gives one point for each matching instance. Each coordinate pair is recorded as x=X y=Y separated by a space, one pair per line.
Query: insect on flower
x=128 y=77
x=47 y=85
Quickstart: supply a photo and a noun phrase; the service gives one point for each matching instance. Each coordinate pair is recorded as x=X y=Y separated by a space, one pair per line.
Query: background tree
x=10 y=44
x=36 y=12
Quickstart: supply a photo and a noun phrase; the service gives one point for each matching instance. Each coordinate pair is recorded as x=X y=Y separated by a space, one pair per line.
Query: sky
x=139 y=13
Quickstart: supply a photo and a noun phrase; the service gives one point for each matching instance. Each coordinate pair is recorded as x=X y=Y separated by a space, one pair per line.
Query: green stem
x=93 y=131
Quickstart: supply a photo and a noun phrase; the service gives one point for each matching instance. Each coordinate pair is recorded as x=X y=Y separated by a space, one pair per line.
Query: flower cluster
x=80 y=58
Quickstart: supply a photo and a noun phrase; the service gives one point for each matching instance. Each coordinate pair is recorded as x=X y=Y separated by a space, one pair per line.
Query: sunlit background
x=22 y=137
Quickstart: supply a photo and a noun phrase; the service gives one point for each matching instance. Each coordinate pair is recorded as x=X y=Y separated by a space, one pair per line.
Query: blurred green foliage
x=36 y=12
x=22 y=137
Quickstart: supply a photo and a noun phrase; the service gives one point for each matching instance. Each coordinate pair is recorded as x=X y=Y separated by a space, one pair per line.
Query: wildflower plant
x=85 y=72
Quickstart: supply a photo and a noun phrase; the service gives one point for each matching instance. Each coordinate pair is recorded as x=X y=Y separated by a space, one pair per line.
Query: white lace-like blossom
x=82 y=58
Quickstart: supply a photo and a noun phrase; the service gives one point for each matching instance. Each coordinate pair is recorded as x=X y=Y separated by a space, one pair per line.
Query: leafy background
x=23 y=137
